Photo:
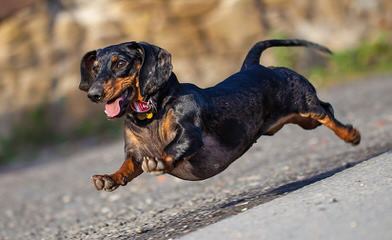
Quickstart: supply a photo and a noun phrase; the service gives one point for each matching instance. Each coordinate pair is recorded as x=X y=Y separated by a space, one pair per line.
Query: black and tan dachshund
x=193 y=133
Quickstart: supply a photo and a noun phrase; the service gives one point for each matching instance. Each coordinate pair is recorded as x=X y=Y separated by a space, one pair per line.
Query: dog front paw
x=156 y=166
x=104 y=182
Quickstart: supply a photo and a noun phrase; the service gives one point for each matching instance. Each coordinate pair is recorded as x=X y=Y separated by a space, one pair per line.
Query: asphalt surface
x=353 y=204
x=56 y=200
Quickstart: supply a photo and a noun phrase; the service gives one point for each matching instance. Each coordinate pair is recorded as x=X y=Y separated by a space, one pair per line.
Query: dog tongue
x=113 y=109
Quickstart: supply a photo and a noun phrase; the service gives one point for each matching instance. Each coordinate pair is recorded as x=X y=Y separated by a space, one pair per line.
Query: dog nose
x=95 y=94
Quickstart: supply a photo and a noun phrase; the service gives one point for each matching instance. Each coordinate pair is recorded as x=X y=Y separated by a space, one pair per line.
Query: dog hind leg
x=324 y=114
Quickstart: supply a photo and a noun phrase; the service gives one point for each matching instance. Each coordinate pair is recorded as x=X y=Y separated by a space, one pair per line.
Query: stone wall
x=42 y=42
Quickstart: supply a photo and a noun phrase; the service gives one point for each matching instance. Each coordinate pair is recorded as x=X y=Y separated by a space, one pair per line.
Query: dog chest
x=149 y=140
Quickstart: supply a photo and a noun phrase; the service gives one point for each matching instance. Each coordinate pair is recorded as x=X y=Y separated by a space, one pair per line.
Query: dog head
x=122 y=74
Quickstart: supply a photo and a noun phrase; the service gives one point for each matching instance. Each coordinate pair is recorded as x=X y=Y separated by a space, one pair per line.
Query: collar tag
x=144 y=116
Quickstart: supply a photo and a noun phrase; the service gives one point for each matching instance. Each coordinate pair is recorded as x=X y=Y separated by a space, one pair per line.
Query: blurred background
x=41 y=44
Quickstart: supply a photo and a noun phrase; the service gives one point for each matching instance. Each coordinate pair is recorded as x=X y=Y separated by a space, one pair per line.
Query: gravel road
x=56 y=200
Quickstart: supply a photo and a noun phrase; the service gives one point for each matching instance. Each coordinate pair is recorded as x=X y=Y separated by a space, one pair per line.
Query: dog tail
x=255 y=52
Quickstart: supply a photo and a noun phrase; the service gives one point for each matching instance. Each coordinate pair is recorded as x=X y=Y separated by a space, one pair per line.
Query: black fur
x=156 y=68
x=87 y=75
x=212 y=127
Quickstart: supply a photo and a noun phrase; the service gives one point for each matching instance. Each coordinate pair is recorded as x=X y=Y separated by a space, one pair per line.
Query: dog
x=193 y=133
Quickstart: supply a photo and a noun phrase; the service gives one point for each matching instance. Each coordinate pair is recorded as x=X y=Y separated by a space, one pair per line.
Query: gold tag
x=149 y=115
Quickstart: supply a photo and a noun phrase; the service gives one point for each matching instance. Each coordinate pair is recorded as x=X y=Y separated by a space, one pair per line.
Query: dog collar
x=144 y=116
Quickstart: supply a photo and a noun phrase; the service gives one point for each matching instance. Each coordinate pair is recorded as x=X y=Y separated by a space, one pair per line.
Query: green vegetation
x=35 y=131
x=26 y=135
x=100 y=126
x=368 y=58
x=371 y=57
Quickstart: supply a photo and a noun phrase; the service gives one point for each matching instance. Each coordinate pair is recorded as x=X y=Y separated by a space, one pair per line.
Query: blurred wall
x=41 y=42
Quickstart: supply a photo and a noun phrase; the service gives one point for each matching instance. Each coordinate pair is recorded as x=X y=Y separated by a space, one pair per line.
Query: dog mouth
x=116 y=107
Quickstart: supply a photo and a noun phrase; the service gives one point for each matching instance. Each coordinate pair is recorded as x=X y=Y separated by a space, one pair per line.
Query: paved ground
x=57 y=201
x=353 y=204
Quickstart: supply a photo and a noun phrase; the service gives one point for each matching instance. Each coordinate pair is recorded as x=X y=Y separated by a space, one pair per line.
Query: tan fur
x=114 y=88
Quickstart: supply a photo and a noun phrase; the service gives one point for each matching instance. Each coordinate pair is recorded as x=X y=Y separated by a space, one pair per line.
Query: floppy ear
x=87 y=75
x=156 y=68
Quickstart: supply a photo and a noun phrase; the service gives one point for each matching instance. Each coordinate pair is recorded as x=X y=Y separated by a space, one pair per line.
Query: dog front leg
x=109 y=182
x=187 y=141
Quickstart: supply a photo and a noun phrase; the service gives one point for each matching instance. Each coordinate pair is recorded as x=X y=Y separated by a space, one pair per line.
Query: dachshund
x=190 y=132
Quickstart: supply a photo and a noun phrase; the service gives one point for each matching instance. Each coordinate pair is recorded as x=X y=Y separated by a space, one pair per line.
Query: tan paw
x=154 y=165
x=354 y=137
x=104 y=182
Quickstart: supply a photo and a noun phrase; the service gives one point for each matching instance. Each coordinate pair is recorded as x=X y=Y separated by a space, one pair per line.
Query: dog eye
x=121 y=64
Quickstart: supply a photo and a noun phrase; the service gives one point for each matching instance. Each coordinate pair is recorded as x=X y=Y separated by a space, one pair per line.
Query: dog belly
x=212 y=159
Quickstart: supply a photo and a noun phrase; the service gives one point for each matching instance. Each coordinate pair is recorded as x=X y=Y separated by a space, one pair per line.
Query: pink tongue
x=113 y=109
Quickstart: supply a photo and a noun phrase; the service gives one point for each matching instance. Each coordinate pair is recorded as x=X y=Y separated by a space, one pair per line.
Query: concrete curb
x=353 y=204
